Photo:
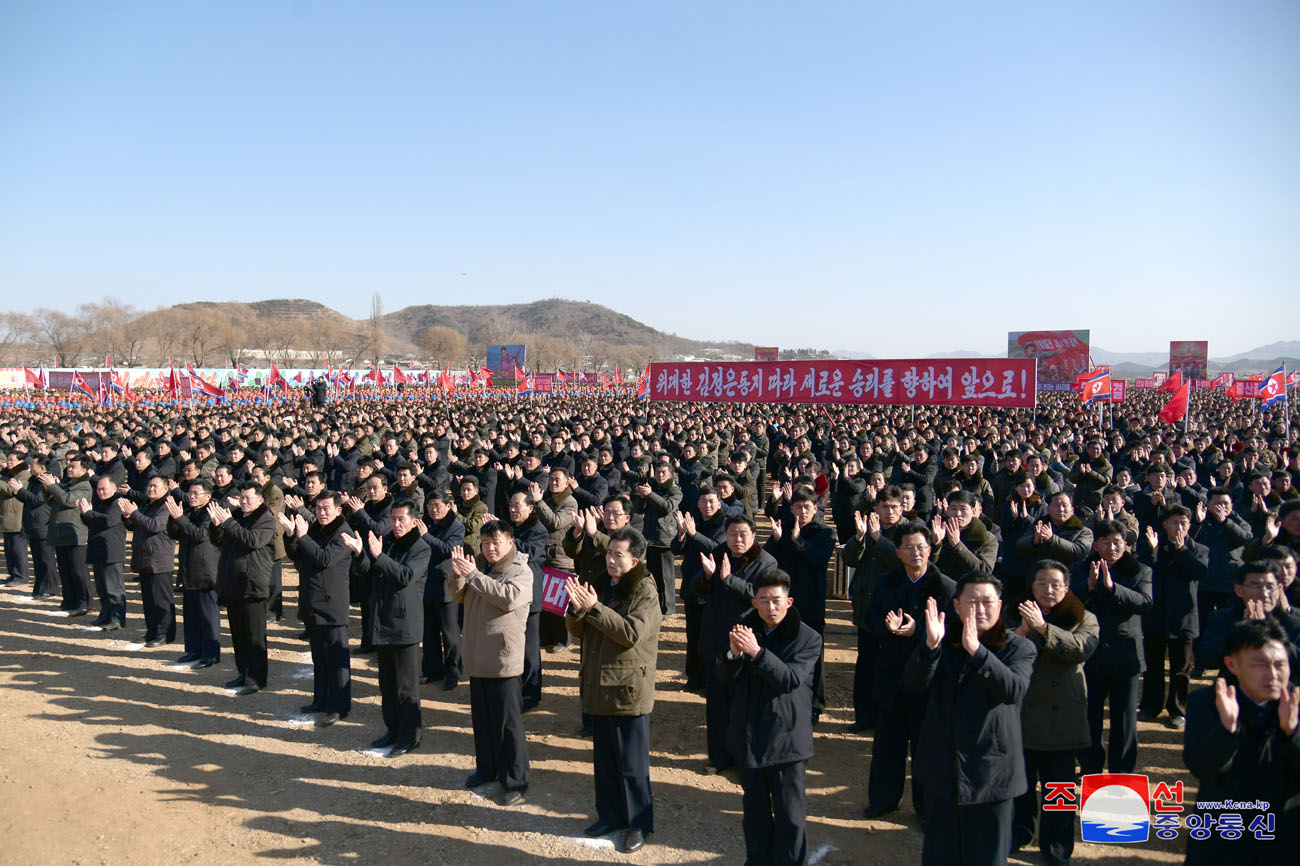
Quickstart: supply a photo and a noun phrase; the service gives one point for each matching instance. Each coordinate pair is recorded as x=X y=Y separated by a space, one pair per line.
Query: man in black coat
x=970 y=756
x=659 y=500
x=1259 y=593
x=802 y=546
x=696 y=538
x=1178 y=564
x=106 y=552
x=369 y=516
x=531 y=537
x=894 y=615
x=324 y=563
x=36 y=526
x=1116 y=588
x=153 y=556
x=440 y=654
x=397 y=566
x=247 y=545
x=769 y=662
x=197 y=571
x=1248 y=749
x=727 y=579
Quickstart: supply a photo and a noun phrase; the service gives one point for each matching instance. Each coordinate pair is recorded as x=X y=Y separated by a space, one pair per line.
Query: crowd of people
x=1026 y=585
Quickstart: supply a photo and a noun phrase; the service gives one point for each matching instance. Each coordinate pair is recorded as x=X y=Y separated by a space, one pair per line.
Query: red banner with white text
x=1008 y=382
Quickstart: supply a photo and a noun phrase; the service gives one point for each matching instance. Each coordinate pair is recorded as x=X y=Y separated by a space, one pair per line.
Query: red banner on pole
x=1118 y=390
x=555 y=593
x=1008 y=382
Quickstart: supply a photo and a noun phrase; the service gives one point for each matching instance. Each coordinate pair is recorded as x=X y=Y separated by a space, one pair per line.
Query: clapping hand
x=900 y=623
x=374 y=544
x=286 y=522
x=582 y=597
x=742 y=641
x=216 y=513
x=462 y=564
x=1153 y=539
x=1042 y=531
x=934 y=625
x=776 y=528
x=1031 y=616
x=970 y=634
x=82 y=506
x=352 y=543
x=1225 y=701
x=173 y=508
x=127 y=507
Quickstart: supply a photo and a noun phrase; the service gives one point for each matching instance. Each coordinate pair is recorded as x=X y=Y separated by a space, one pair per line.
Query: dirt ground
x=110 y=755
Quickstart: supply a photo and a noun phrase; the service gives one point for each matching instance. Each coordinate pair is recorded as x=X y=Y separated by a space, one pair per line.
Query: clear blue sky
x=893 y=177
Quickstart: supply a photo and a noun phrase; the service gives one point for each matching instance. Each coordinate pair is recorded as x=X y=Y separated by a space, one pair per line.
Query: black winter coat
x=1225 y=541
x=709 y=536
x=442 y=538
x=805 y=559
x=106 y=536
x=969 y=750
x=895 y=591
x=198 y=556
x=771 y=709
x=397 y=577
x=531 y=538
x=247 y=553
x=1119 y=613
x=730 y=598
x=1175 y=576
x=324 y=563
x=152 y=550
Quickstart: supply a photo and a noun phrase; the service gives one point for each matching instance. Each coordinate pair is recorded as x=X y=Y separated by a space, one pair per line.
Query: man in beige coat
x=617 y=620
x=495 y=603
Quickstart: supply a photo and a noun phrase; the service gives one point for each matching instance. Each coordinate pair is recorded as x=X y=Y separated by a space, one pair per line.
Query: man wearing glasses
x=1258 y=589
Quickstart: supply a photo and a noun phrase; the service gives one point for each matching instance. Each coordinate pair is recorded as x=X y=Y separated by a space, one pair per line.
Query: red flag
x=1176 y=409
x=400 y=378
x=33 y=378
x=1096 y=386
x=1173 y=383
x=1223 y=380
x=445 y=382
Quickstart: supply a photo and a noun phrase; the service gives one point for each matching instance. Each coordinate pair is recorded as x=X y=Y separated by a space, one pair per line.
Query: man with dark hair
x=802 y=547
x=896 y=608
x=617 y=620
x=441 y=646
x=1116 y=588
x=68 y=534
x=658 y=499
x=496 y=614
x=106 y=552
x=1243 y=744
x=153 y=556
x=962 y=544
x=694 y=540
x=371 y=515
x=324 y=560
x=1178 y=564
x=769 y=660
x=1062 y=536
x=727 y=579
x=969 y=755
x=1258 y=588
x=15 y=477
x=247 y=545
x=197 y=573
x=397 y=566
x=531 y=538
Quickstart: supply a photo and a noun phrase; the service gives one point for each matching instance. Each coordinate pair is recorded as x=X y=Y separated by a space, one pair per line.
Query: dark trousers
x=694 y=666
x=816 y=620
x=275 y=604
x=399 y=690
x=248 y=637
x=441 y=657
x=1122 y=692
x=500 y=748
x=47 y=569
x=979 y=835
x=331 y=668
x=898 y=727
x=664 y=568
x=620 y=752
x=202 y=623
x=774 y=807
x=110 y=586
x=159 y=605
x=1207 y=602
x=532 y=682
x=1055 y=829
x=367 y=621
x=552 y=630
x=1181 y=660
x=74 y=575
x=717 y=716
x=16 y=556
x=864 y=678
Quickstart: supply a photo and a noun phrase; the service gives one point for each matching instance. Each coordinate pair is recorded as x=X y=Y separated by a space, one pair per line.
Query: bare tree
x=200 y=334
x=325 y=339
x=375 y=328
x=496 y=326
x=65 y=334
x=442 y=347
x=16 y=334
x=164 y=328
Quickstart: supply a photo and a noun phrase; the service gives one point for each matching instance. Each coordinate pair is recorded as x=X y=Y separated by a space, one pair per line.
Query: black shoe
x=1147 y=716
x=635 y=841
x=205 y=663
x=600 y=828
x=154 y=642
x=248 y=689
x=101 y=620
x=40 y=596
x=236 y=682
x=450 y=683
x=112 y=626
x=81 y=611
x=302 y=635
x=474 y=780
x=187 y=658
x=311 y=708
x=385 y=741
x=402 y=748
x=877 y=811
x=510 y=798
x=710 y=770
x=1178 y=723
x=324 y=721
